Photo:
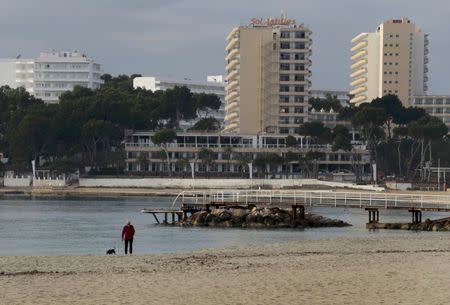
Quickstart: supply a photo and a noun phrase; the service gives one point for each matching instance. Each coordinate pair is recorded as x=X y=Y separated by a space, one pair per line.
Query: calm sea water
x=56 y=226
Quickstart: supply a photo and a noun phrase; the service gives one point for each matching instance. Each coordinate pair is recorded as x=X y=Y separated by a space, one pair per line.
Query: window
x=284 y=99
x=284 y=67
x=299 y=99
x=418 y=101
x=439 y=101
x=447 y=101
x=299 y=45
x=438 y=110
x=285 y=34
x=429 y=101
x=284 y=130
x=298 y=110
x=284 y=120
x=299 y=67
x=299 y=89
x=284 y=77
x=285 y=56
x=284 y=88
x=284 y=110
x=284 y=45
x=300 y=35
x=299 y=56
x=299 y=77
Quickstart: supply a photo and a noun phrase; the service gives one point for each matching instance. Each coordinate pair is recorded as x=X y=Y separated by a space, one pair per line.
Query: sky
x=186 y=38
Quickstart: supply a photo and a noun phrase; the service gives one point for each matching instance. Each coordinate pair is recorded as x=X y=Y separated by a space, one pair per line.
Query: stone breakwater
x=428 y=225
x=258 y=218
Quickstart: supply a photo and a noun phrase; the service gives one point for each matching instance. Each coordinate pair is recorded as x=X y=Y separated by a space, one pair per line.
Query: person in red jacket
x=127 y=236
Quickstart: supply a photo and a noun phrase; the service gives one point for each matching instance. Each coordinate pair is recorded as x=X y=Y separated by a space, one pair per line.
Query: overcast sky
x=186 y=38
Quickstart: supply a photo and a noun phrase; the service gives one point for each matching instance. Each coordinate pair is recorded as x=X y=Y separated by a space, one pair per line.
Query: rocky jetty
x=428 y=225
x=258 y=218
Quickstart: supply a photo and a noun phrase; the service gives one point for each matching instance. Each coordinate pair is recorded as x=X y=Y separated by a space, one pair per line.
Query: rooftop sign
x=272 y=21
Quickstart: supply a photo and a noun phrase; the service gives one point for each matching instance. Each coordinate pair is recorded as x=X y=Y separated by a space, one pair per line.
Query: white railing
x=202 y=145
x=317 y=198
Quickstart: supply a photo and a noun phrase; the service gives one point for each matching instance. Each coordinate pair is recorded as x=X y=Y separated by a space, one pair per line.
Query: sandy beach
x=394 y=270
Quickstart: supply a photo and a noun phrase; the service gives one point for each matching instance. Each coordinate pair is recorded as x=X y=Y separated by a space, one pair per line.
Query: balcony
x=231 y=106
x=361 y=45
x=358 y=64
x=232 y=54
x=359 y=99
x=359 y=55
x=231 y=34
x=230 y=127
x=358 y=90
x=232 y=43
x=360 y=37
x=232 y=65
x=359 y=73
x=232 y=115
x=231 y=95
x=231 y=86
x=232 y=75
x=359 y=81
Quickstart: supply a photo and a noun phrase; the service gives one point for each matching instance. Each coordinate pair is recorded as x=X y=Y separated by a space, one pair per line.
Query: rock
x=405 y=226
x=198 y=219
x=239 y=212
x=217 y=212
x=224 y=216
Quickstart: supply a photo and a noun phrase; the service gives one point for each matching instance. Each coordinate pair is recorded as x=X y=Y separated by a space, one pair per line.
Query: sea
x=42 y=226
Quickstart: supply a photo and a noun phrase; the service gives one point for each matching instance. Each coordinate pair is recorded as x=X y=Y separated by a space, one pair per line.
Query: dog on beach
x=111 y=252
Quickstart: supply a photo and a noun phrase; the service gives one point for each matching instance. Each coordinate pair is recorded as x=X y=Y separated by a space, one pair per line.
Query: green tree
x=290 y=141
x=96 y=133
x=317 y=132
x=206 y=124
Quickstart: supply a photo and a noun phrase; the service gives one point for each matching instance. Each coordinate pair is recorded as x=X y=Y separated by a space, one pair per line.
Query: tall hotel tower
x=391 y=61
x=268 y=71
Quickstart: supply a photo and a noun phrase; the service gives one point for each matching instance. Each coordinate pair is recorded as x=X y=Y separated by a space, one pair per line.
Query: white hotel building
x=215 y=84
x=51 y=74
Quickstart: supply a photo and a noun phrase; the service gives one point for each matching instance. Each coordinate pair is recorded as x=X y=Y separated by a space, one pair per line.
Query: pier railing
x=316 y=198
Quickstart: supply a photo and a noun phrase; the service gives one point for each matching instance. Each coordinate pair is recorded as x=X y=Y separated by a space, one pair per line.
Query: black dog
x=111 y=252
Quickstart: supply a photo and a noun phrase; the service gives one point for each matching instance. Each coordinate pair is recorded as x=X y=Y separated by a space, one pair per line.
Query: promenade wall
x=49 y=182
x=17 y=181
x=216 y=183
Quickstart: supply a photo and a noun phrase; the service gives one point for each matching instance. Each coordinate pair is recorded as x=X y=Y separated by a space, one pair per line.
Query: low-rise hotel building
x=229 y=150
x=435 y=105
x=268 y=74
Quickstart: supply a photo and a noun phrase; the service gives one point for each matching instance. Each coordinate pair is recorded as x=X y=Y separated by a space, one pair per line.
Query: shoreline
x=374 y=270
x=77 y=191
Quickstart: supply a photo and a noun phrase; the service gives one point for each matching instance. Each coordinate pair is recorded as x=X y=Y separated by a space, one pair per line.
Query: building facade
x=435 y=105
x=17 y=73
x=393 y=60
x=268 y=75
x=51 y=74
x=232 y=154
x=214 y=85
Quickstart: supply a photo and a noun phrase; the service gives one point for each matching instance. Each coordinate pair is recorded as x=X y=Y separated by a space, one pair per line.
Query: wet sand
x=388 y=270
